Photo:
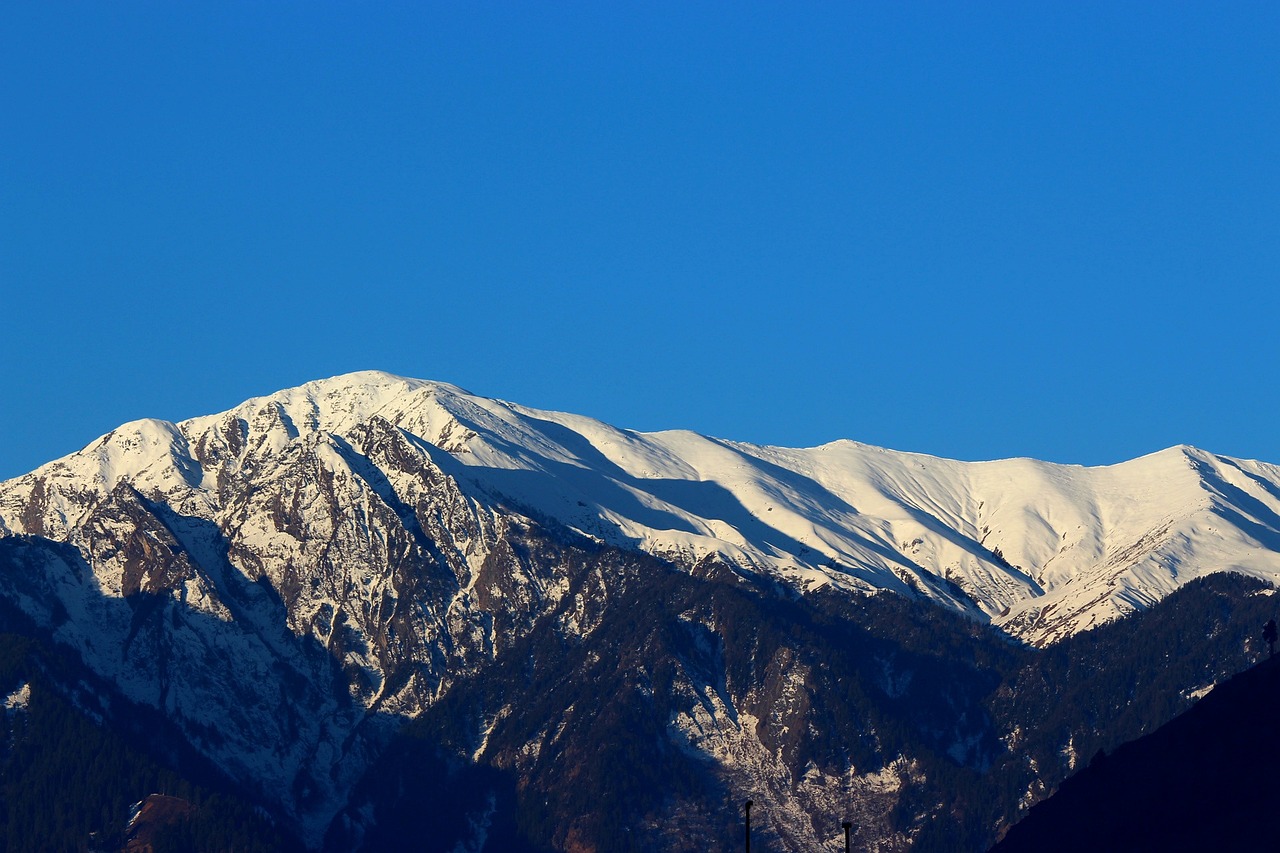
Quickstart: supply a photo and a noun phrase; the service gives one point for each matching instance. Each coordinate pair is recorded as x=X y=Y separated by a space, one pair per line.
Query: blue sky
x=1045 y=229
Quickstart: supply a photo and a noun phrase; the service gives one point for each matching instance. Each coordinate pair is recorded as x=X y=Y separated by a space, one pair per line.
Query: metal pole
x=847 y=826
x=749 y=804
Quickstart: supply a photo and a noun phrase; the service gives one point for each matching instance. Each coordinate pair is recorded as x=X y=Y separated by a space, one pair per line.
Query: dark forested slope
x=1205 y=780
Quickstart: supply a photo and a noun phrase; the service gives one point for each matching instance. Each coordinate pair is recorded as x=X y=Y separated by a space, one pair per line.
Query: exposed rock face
x=150 y=815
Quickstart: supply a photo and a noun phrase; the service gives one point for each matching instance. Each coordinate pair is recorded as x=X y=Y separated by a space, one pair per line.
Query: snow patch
x=19 y=699
x=1200 y=692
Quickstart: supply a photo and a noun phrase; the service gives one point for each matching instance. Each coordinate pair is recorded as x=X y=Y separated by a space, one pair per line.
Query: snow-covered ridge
x=1039 y=548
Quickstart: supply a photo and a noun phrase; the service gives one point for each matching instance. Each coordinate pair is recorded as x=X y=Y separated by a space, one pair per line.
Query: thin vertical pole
x=847 y=826
x=749 y=804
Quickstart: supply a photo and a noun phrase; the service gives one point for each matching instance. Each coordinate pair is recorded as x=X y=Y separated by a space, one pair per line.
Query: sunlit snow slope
x=1039 y=549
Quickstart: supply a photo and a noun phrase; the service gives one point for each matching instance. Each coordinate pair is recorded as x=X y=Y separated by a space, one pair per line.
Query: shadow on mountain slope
x=68 y=779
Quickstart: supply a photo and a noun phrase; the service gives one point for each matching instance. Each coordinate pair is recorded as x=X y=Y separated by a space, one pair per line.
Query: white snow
x=1200 y=692
x=19 y=699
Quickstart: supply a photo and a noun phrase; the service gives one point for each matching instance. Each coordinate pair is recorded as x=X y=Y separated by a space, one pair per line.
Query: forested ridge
x=1031 y=717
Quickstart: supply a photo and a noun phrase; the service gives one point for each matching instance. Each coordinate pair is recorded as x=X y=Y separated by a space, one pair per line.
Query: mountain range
x=537 y=606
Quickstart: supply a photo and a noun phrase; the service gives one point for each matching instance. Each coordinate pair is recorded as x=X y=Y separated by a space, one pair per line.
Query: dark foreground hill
x=1204 y=781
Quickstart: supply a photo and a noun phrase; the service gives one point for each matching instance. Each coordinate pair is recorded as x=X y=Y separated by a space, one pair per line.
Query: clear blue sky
x=1027 y=229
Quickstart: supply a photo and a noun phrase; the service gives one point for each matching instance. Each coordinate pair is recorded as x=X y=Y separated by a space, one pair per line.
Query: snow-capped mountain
x=1039 y=549
x=291 y=580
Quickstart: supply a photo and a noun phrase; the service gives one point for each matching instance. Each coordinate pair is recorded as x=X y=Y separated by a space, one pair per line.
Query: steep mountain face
x=292 y=581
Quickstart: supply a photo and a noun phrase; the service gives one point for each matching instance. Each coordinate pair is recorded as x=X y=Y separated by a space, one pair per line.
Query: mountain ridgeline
x=378 y=613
